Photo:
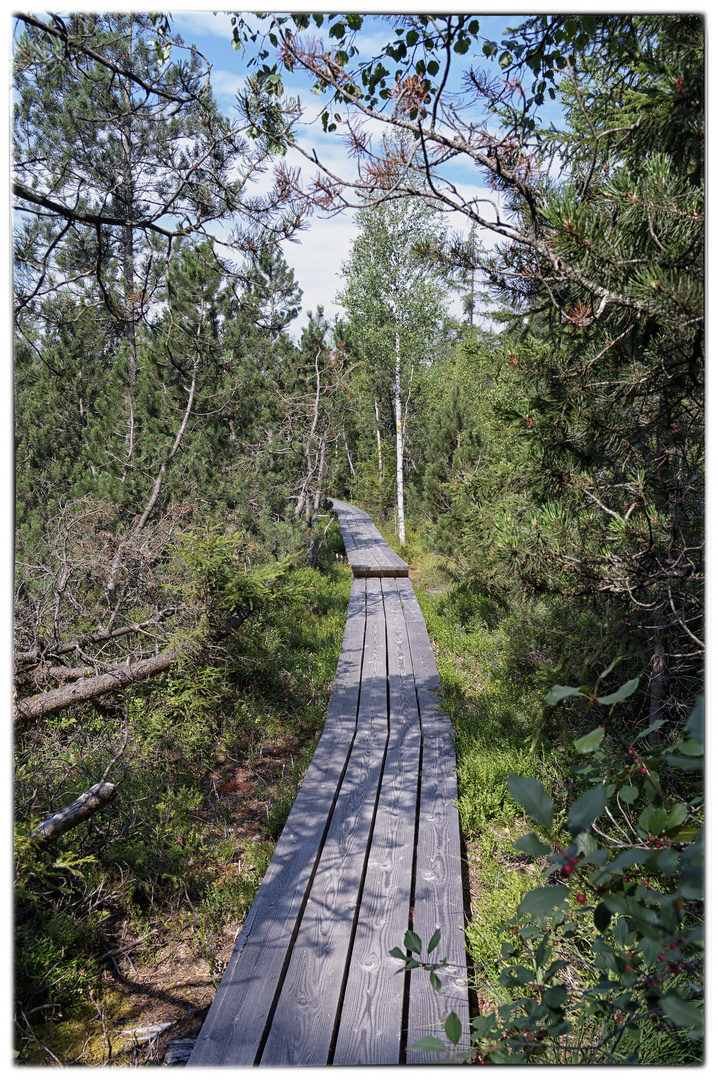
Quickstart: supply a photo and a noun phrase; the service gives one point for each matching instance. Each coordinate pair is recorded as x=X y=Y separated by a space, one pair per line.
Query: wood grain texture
x=371 y=1015
x=310 y=981
x=306 y=1013
x=438 y=900
x=367 y=552
x=233 y=1030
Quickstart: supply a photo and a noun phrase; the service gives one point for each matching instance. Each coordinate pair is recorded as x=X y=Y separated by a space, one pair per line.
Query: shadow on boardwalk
x=370 y=848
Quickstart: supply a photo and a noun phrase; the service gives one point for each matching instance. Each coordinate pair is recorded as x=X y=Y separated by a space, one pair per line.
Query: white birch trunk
x=399 y=445
x=378 y=442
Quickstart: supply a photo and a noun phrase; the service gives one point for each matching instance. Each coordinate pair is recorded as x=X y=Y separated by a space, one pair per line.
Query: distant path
x=368 y=553
x=371 y=848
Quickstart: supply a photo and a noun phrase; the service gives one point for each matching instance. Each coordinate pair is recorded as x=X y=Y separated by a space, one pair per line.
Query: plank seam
x=360 y=891
x=404 y=1038
x=290 y=950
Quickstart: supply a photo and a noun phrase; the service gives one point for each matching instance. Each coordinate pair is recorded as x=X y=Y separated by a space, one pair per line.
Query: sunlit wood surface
x=371 y=848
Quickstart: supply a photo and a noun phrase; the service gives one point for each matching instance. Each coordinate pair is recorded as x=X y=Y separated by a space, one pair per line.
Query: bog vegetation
x=179 y=594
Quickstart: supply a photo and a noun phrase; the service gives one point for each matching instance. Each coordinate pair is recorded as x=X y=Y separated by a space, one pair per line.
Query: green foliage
x=170 y=839
x=638 y=943
x=57 y=924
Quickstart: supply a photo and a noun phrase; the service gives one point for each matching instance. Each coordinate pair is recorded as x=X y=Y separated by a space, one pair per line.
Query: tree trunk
x=399 y=445
x=33 y=708
x=378 y=442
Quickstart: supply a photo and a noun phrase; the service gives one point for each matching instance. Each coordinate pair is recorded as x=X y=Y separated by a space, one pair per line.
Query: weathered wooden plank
x=370 y=1029
x=368 y=553
x=438 y=900
x=306 y=1013
x=235 y=1025
x=310 y=980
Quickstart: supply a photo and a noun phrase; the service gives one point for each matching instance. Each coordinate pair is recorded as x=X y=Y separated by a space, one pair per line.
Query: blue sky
x=326 y=242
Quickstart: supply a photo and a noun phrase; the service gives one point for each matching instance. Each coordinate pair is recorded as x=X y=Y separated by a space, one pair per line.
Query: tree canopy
x=179 y=424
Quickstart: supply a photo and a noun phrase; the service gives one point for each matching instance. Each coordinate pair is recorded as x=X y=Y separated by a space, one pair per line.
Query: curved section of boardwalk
x=370 y=848
x=368 y=553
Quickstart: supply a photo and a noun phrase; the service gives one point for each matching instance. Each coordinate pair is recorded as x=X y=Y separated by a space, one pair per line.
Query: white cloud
x=203 y=23
x=225 y=86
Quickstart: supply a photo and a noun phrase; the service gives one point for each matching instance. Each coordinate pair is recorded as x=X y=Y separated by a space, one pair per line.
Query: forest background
x=549 y=556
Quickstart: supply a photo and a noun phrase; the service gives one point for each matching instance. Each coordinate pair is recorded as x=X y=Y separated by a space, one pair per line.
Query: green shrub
x=603 y=962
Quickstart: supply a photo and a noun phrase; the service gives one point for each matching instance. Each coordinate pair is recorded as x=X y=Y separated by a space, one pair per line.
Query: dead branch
x=82 y=808
x=82 y=690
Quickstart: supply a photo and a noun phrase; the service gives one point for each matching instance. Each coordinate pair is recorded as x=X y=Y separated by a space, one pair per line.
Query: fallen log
x=33 y=708
x=117 y=678
x=84 y=807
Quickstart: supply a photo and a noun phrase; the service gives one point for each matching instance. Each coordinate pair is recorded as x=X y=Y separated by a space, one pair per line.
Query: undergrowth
x=215 y=751
x=497 y=662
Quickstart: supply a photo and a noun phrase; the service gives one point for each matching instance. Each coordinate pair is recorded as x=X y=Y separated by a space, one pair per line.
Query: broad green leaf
x=683 y=835
x=531 y=845
x=629 y=857
x=586 y=809
x=435 y=939
x=542 y=901
x=555 y=996
x=482 y=1025
x=530 y=794
x=602 y=916
x=651 y=728
x=680 y=1011
x=559 y=693
x=628 y=793
x=452 y=1027
x=585 y=844
x=515 y=976
x=694 y=723
x=412 y=942
x=397 y=953
x=609 y=669
x=590 y=742
x=430 y=1045
x=687 y=764
x=622 y=693
x=691 y=748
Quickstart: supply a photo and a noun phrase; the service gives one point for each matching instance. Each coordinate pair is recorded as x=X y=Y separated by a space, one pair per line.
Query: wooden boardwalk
x=368 y=553
x=371 y=848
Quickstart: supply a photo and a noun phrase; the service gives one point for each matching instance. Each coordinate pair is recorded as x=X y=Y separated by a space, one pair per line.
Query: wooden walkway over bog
x=370 y=849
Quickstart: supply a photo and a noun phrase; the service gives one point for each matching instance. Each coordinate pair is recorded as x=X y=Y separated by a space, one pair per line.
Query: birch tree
x=394 y=301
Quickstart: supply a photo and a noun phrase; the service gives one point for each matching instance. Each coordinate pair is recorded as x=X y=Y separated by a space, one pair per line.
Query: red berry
x=567 y=869
x=601 y=890
x=581 y=898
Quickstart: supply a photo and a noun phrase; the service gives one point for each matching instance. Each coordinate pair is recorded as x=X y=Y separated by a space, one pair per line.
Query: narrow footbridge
x=370 y=849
